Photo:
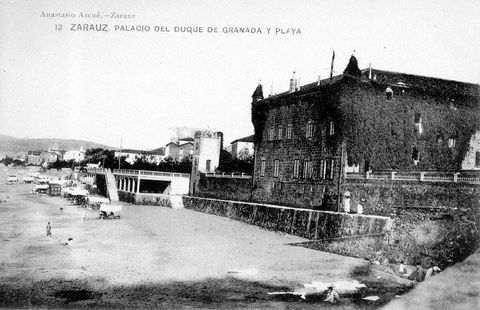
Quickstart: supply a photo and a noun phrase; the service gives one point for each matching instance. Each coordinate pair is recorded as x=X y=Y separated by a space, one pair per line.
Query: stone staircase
x=112 y=191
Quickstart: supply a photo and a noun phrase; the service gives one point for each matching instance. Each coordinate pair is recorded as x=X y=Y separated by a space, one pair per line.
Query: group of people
x=419 y=274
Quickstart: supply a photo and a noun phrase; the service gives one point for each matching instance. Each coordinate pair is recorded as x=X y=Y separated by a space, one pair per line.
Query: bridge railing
x=421 y=176
x=96 y=170
x=228 y=175
x=151 y=173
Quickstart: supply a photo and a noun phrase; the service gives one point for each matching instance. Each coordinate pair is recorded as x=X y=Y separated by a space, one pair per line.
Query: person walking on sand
x=49 y=229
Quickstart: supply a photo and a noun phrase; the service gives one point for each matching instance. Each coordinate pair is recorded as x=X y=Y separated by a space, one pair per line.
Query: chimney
x=293 y=83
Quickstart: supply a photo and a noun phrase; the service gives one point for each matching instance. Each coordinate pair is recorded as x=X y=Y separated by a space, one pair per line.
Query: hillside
x=16 y=146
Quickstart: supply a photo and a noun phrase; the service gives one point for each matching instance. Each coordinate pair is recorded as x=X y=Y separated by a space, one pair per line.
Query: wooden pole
x=331 y=66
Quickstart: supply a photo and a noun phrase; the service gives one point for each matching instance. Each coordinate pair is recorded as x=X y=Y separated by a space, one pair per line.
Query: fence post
x=422 y=176
x=455 y=177
x=393 y=175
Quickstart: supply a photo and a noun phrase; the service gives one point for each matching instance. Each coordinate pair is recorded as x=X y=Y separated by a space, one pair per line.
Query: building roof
x=159 y=151
x=186 y=139
x=427 y=84
x=244 y=139
x=258 y=92
x=171 y=143
x=183 y=144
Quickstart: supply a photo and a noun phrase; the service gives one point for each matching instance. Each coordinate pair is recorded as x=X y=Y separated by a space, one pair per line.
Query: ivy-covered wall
x=272 y=119
x=385 y=132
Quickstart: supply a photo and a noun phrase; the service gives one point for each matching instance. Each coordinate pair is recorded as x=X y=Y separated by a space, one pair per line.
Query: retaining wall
x=431 y=222
x=300 y=222
x=224 y=188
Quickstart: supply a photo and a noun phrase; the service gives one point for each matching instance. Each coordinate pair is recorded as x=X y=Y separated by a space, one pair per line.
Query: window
x=329 y=168
x=321 y=172
x=331 y=128
x=418 y=123
x=262 y=167
x=310 y=129
x=307 y=169
x=296 y=168
x=280 y=133
x=415 y=156
x=451 y=142
x=276 y=168
x=289 y=131
x=271 y=134
x=477 y=159
x=332 y=169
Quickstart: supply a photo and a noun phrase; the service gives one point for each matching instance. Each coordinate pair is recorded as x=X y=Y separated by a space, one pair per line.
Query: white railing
x=96 y=170
x=228 y=175
x=151 y=173
x=421 y=176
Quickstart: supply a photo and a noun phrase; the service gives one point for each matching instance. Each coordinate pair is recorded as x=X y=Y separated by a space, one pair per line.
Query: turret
x=257 y=94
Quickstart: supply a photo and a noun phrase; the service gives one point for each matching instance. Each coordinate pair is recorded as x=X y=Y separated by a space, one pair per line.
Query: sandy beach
x=153 y=257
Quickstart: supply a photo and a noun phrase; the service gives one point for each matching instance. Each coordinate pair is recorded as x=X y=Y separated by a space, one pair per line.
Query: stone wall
x=436 y=222
x=224 y=188
x=145 y=199
x=308 y=194
x=311 y=224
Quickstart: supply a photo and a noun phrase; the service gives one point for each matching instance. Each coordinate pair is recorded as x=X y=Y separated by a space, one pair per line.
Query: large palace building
x=306 y=139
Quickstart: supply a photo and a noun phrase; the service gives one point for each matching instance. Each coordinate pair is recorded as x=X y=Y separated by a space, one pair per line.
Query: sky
x=134 y=86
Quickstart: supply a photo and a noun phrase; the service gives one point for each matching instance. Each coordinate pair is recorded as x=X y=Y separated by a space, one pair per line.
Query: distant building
x=206 y=155
x=33 y=158
x=179 y=149
x=50 y=156
x=307 y=138
x=131 y=156
x=243 y=147
x=76 y=156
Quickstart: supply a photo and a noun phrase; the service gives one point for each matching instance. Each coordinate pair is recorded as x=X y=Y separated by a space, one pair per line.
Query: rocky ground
x=159 y=257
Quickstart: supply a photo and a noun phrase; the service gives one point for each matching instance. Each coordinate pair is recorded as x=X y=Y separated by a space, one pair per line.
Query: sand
x=151 y=257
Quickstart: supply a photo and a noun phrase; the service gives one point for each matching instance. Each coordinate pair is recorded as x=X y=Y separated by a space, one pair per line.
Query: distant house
x=131 y=156
x=242 y=147
x=178 y=150
x=75 y=155
x=33 y=158
x=50 y=156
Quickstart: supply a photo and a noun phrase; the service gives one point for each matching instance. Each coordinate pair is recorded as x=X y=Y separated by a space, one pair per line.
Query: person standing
x=346 y=201
x=332 y=295
x=83 y=216
x=49 y=229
